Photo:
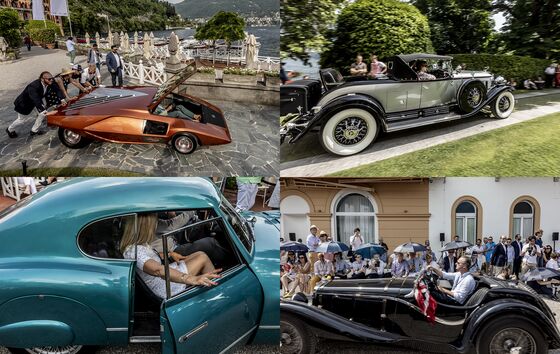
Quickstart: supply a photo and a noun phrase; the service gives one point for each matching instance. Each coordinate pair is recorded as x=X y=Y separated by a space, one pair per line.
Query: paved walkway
x=318 y=163
x=254 y=130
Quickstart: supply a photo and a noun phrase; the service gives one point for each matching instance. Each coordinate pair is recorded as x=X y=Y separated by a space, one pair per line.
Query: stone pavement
x=254 y=131
x=313 y=161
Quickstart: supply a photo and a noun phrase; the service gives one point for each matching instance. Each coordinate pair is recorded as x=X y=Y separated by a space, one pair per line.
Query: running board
x=419 y=122
x=145 y=339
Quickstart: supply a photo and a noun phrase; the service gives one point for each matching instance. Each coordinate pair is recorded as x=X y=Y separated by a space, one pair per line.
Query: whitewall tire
x=503 y=105
x=349 y=131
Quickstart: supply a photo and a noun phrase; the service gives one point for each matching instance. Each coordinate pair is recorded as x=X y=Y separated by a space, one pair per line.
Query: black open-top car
x=498 y=317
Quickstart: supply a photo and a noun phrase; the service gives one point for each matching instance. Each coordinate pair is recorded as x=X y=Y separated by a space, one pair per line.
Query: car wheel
x=295 y=337
x=348 y=132
x=472 y=96
x=68 y=349
x=184 y=143
x=503 y=105
x=72 y=139
x=507 y=334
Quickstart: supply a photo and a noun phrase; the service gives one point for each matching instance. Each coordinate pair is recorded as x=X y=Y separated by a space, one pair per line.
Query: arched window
x=355 y=210
x=294 y=223
x=523 y=218
x=465 y=221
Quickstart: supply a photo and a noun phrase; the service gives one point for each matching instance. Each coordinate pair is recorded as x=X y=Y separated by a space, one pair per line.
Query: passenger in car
x=195 y=269
x=423 y=72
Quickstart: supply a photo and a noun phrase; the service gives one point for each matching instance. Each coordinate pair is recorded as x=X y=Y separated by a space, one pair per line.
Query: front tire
x=506 y=333
x=503 y=105
x=349 y=131
x=472 y=96
x=184 y=143
x=295 y=336
x=72 y=139
x=68 y=349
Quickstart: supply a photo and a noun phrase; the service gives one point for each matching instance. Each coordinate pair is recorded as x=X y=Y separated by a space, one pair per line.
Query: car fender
x=491 y=95
x=39 y=320
x=495 y=309
x=326 y=324
x=362 y=101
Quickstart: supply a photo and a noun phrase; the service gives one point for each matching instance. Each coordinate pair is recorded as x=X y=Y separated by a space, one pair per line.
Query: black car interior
x=177 y=106
x=101 y=239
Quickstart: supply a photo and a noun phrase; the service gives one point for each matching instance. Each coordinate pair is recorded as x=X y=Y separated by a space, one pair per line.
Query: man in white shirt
x=481 y=258
x=71 y=48
x=313 y=242
x=91 y=77
x=356 y=239
x=322 y=269
x=358 y=268
x=463 y=283
x=376 y=268
x=530 y=252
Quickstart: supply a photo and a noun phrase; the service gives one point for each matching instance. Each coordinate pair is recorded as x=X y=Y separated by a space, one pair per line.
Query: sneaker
x=38 y=132
x=11 y=134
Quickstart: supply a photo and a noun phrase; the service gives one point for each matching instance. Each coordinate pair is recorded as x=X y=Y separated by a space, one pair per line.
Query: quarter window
x=102 y=238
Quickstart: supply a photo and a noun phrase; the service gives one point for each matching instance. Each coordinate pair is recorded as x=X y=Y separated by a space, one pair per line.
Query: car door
x=215 y=319
x=403 y=96
x=437 y=92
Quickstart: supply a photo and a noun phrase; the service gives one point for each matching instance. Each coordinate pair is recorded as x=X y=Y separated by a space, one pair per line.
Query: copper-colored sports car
x=140 y=115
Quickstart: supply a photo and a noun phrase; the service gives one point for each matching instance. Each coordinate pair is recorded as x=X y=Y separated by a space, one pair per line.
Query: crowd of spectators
x=508 y=258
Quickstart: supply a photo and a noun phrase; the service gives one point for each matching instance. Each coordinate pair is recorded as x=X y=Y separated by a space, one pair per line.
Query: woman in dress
x=195 y=269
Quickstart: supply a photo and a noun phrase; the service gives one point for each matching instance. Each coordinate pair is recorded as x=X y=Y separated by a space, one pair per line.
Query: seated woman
x=195 y=269
x=302 y=270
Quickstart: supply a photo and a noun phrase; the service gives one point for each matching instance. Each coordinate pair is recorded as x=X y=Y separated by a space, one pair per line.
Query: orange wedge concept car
x=141 y=115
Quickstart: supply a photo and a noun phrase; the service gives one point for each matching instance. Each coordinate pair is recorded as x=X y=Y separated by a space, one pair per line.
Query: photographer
x=530 y=252
x=376 y=268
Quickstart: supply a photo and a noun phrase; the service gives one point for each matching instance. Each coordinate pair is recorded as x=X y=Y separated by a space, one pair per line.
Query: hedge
x=509 y=66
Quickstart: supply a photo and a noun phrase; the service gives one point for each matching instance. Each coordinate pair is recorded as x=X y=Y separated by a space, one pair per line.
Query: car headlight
x=499 y=80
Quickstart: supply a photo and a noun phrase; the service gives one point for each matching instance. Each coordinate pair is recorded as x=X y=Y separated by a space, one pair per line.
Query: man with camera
x=530 y=252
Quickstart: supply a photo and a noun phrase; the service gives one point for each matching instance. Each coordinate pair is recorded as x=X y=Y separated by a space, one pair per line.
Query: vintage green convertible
x=66 y=287
x=418 y=90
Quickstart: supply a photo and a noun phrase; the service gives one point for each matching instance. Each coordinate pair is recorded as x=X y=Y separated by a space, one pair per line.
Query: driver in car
x=463 y=283
x=423 y=72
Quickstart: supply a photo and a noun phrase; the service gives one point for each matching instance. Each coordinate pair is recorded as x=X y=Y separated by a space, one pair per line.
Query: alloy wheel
x=71 y=137
x=183 y=144
x=513 y=340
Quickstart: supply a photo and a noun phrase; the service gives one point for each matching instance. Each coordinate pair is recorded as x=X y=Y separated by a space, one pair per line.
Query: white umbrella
x=251 y=51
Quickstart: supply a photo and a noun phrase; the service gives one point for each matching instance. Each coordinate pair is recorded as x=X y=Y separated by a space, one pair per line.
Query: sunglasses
x=48 y=78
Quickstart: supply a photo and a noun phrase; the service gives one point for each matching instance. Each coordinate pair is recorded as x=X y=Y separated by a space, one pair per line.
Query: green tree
x=304 y=25
x=228 y=26
x=9 y=27
x=532 y=27
x=458 y=26
x=383 y=27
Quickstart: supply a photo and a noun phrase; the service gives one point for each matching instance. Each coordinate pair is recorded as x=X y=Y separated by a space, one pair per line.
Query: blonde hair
x=147 y=224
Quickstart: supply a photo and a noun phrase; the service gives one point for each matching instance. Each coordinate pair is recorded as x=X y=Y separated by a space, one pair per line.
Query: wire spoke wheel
x=350 y=131
x=513 y=340
x=474 y=97
x=504 y=103
x=291 y=341
x=68 y=349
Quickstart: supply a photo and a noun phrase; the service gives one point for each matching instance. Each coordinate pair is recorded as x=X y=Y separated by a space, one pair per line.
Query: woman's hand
x=203 y=279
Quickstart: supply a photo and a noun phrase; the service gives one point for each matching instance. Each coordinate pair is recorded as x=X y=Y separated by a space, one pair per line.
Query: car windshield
x=242 y=228
x=436 y=67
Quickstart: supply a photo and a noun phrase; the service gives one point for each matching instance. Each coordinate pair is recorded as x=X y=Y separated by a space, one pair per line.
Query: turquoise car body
x=53 y=294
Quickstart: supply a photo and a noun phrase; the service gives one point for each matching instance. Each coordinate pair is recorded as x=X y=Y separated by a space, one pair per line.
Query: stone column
x=87 y=39
x=146 y=47
x=110 y=39
x=135 y=40
x=152 y=46
x=116 y=39
x=98 y=40
x=173 y=63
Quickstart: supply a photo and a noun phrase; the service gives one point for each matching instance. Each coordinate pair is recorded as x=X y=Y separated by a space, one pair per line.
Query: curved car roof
x=415 y=56
x=69 y=205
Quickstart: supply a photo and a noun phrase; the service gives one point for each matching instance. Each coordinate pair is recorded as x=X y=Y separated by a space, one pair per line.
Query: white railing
x=268 y=64
x=154 y=75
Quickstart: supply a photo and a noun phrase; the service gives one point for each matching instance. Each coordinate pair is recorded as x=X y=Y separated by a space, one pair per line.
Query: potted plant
x=205 y=74
x=240 y=76
x=272 y=78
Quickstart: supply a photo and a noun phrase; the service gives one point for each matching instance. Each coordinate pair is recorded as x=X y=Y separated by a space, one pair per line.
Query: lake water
x=269 y=37
x=312 y=69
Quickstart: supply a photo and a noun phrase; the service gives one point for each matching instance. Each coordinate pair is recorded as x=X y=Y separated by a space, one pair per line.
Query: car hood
x=385 y=286
x=471 y=74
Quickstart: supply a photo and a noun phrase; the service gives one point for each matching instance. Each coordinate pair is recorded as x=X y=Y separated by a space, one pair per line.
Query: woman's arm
x=154 y=268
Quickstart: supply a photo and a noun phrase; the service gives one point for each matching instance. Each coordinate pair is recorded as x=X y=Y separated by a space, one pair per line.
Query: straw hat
x=66 y=71
x=313 y=227
x=323 y=233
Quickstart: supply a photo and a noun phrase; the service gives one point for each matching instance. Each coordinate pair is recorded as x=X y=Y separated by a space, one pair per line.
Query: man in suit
x=517 y=247
x=115 y=65
x=499 y=257
x=33 y=99
x=449 y=262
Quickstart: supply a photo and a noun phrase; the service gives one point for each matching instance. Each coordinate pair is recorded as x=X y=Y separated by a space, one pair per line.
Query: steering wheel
x=431 y=280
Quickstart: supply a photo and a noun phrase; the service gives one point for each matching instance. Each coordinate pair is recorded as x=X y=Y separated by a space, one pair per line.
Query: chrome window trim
x=239 y=340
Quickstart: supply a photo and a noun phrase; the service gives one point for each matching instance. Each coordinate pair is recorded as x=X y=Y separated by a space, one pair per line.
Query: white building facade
x=475 y=207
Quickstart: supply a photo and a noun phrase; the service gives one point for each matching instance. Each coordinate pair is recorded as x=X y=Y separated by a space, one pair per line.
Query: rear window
x=102 y=238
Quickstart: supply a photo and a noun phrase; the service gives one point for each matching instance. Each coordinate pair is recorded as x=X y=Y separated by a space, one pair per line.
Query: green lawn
x=70 y=172
x=526 y=149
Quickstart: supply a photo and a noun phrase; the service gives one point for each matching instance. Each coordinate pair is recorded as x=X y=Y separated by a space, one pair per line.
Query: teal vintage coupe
x=66 y=287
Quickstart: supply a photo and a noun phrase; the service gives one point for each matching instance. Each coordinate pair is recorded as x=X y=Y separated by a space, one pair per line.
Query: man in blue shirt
x=490 y=245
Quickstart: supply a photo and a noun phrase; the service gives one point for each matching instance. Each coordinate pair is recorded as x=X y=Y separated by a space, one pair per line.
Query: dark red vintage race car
x=141 y=115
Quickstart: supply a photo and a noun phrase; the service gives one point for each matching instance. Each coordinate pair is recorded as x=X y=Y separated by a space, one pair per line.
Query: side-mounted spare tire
x=471 y=96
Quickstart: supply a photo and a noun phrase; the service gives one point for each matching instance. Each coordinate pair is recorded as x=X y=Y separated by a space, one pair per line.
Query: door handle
x=194 y=331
